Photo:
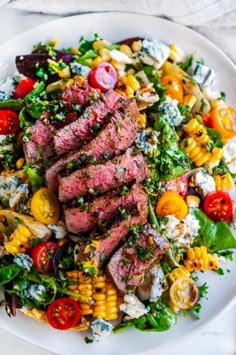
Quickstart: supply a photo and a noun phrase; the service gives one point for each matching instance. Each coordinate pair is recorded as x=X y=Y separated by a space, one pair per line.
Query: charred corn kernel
x=117 y=65
x=105 y=54
x=178 y=272
x=100 y=290
x=199 y=259
x=126 y=49
x=19 y=240
x=193 y=201
x=20 y=162
x=91 y=246
x=133 y=82
x=100 y=43
x=136 y=46
x=196 y=153
x=129 y=91
x=75 y=51
x=79 y=79
x=176 y=54
x=224 y=182
x=96 y=61
x=189 y=100
x=142 y=121
x=217 y=154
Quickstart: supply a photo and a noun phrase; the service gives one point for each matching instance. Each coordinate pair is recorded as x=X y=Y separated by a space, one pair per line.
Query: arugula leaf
x=215 y=235
x=8 y=273
x=215 y=136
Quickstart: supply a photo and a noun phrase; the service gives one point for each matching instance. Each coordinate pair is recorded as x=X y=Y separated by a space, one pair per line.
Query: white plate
x=114 y=27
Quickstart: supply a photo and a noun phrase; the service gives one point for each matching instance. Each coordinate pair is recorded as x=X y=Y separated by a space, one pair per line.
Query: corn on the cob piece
x=197 y=131
x=178 y=272
x=102 y=292
x=142 y=120
x=224 y=182
x=189 y=100
x=19 y=240
x=100 y=43
x=199 y=259
x=196 y=153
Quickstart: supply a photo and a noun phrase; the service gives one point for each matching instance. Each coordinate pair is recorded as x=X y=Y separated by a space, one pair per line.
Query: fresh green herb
x=88 y=340
x=125 y=261
x=126 y=278
x=106 y=155
x=71 y=165
x=103 y=257
x=35 y=241
x=87 y=207
x=124 y=191
x=118 y=126
x=184 y=66
x=220 y=271
x=222 y=96
x=221 y=169
x=8 y=273
x=144 y=253
x=80 y=200
x=227 y=254
x=202 y=106
x=215 y=136
x=35 y=178
x=195 y=311
x=203 y=290
x=124 y=213
x=92 y=160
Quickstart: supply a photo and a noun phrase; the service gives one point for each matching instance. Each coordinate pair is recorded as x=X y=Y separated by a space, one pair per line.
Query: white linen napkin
x=215 y=19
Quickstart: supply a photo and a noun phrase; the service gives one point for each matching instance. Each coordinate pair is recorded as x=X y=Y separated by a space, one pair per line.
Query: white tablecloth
x=218 y=338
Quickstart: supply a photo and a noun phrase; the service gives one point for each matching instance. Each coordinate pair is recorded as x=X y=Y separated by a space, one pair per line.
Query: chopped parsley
x=124 y=191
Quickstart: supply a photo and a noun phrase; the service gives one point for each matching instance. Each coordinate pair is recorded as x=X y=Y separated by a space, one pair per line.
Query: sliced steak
x=109 y=242
x=79 y=94
x=100 y=178
x=139 y=254
x=115 y=138
x=89 y=123
x=39 y=144
x=81 y=219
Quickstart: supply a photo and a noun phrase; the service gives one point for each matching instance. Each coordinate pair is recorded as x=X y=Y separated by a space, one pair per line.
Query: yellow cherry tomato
x=45 y=206
x=174 y=87
x=171 y=203
x=184 y=293
x=222 y=119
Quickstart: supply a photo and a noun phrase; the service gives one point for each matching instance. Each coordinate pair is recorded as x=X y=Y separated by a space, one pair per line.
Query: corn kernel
x=100 y=43
x=96 y=61
x=176 y=54
x=104 y=53
x=117 y=65
x=142 y=121
x=129 y=91
x=189 y=100
x=75 y=51
x=193 y=201
x=136 y=46
x=79 y=78
x=20 y=162
x=126 y=49
x=132 y=82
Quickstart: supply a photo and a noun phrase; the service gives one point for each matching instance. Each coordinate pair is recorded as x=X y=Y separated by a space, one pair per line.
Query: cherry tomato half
x=222 y=119
x=184 y=293
x=45 y=206
x=174 y=87
x=9 y=122
x=24 y=87
x=218 y=205
x=171 y=203
x=179 y=185
x=63 y=313
x=103 y=77
x=42 y=255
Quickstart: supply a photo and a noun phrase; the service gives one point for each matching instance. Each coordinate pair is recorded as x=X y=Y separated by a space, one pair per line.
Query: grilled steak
x=100 y=178
x=103 y=208
x=109 y=141
x=79 y=94
x=138 y=255
x=109 y=241
x=86 y=127
x=39 y=145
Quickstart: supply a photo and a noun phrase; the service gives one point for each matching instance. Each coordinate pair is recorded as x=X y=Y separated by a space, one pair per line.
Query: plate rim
x=230 y=62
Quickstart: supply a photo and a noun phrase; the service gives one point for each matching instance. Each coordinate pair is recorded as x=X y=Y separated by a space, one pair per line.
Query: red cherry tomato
x=42 y=255
x=9 y=122
x=218 y=205
x=179 y=185
x=103 y=77
x=63 y=313
x=23 y=88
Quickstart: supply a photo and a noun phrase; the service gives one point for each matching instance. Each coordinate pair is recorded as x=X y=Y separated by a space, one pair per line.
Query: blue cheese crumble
x=24 y=261
x=36 y=292
x=133 y=307
x=8 y=185
x=59 y=230
x=7 y=86
x=21 y=194
x=79 y=69
x=100 y=329
x=154 y=52
x=170 y=112
x=201 y=74
x=204 y=182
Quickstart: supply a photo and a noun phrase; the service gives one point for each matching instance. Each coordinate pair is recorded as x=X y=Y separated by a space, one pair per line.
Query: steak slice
x=109 y=242
x=103 y=208
x=39 y=144
x=88 y=124
x=138 y=255
x=79 y=94
x=100 y=178
x=109 y=141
